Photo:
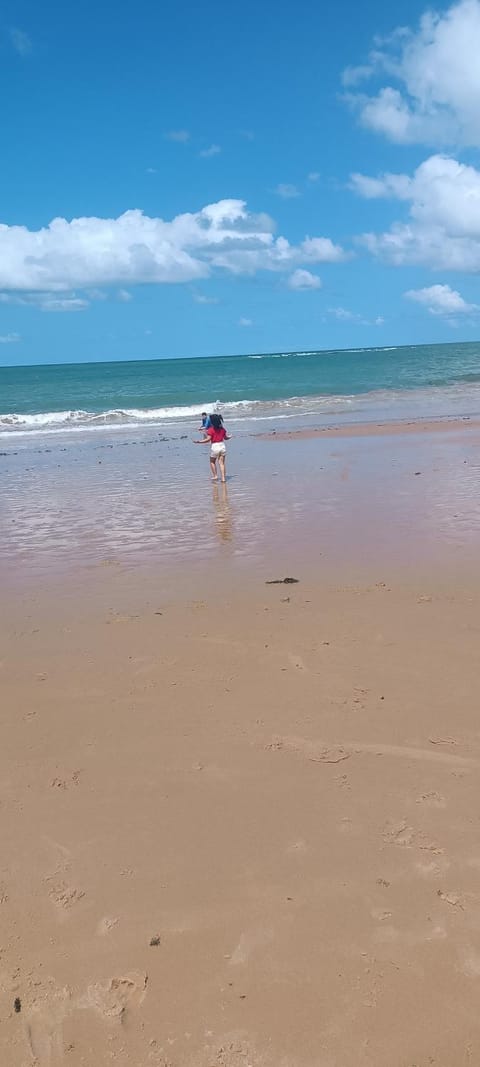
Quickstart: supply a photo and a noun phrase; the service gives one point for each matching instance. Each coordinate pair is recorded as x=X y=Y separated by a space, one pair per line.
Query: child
x=216 y=435
x=206 y=423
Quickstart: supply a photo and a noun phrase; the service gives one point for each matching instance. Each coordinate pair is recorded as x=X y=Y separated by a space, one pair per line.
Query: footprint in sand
x=310 y=750
x=432 y=800
x=405 y=836
x=398 y=833
x=105 y=925
x=43 y=1025
x=116 y=996
x=380 y=915
x=64 y=896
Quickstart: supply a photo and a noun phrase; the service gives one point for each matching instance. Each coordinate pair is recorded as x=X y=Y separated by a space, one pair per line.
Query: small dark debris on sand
x=17 y=1005
x=283 y=581
x=154 y=941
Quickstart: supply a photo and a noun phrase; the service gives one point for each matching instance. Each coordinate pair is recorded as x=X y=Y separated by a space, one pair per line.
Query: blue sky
x=344 y=178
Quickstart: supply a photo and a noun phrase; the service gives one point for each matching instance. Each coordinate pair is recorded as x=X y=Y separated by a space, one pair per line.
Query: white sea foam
x=458 y=398
x=84 y=419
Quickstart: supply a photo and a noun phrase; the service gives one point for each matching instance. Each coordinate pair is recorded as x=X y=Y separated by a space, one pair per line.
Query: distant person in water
x=206 y=422
x=215 y=436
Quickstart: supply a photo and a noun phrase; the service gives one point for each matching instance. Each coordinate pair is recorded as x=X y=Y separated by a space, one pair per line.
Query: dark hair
x=203 y=413
x=216 y=421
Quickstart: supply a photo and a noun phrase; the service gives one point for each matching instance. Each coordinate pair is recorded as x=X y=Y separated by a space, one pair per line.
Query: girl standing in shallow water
x=215 y=436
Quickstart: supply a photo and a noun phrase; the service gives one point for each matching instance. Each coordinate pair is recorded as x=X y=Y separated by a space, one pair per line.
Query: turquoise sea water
x=354 y=384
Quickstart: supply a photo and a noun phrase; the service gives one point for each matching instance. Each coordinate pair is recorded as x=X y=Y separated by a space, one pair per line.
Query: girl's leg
x=221 y=460
x=213 y=468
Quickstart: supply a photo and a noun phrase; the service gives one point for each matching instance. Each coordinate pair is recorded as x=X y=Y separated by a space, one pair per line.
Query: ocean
x=308 y=387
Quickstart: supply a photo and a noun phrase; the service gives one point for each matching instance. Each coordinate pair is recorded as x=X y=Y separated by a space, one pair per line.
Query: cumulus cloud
x=442 y=230
x=433 y=75
x=135 y=249
x=213 y=150
x=20 y=41
x=180 y=136
x=124 y=296
x=441 y=300
x=9 y=338
x=286 y=191
x=313 y=176
x=245 y=322
x=303 y=279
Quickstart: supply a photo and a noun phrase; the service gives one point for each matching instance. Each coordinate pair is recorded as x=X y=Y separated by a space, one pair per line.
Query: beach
x=240 y=814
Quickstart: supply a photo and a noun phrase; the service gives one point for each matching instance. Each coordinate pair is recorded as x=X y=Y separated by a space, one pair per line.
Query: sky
x=182 y=180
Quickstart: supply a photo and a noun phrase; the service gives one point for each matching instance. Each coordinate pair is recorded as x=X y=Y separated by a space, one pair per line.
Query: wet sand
x=239 y=820
x=378 y=429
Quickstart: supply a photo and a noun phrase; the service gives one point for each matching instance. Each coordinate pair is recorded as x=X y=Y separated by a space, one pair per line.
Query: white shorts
x=217 y=450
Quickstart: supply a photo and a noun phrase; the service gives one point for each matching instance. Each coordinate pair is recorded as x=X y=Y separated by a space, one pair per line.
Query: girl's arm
x=206 y=441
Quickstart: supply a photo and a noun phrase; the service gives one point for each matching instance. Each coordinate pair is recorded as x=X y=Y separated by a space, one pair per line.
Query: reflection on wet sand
x=223 y=516
x=99 y=500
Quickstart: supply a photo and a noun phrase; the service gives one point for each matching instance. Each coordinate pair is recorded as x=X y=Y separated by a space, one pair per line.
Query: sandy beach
x=239 y=819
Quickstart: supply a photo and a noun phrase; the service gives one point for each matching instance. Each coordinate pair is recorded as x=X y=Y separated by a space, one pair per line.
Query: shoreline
x=149 y=501
x=447 y=424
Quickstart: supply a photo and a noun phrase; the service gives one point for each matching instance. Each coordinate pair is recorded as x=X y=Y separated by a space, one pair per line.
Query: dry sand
x=243 y=831
x=240 y=822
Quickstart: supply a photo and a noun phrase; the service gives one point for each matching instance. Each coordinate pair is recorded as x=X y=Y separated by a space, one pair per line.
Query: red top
x=216 y=436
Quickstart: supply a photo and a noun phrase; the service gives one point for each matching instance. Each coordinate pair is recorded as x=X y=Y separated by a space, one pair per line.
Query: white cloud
x=441 y=300
x=50 y=302
x=9 y=338
x=135 y=249
x=342 y=314
x=96 y=294
x=207 y=153
x=443 y=226
x=354 y=75
x=245 y=322
x=303 y=279
x=322 y=250
x=124 y=296
x=286 y=191
x=435 y=70
x=201 y=298
x=20 y=41
x=47 y=301
x=180 y=136
x=313 y=176
x=397 y=186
